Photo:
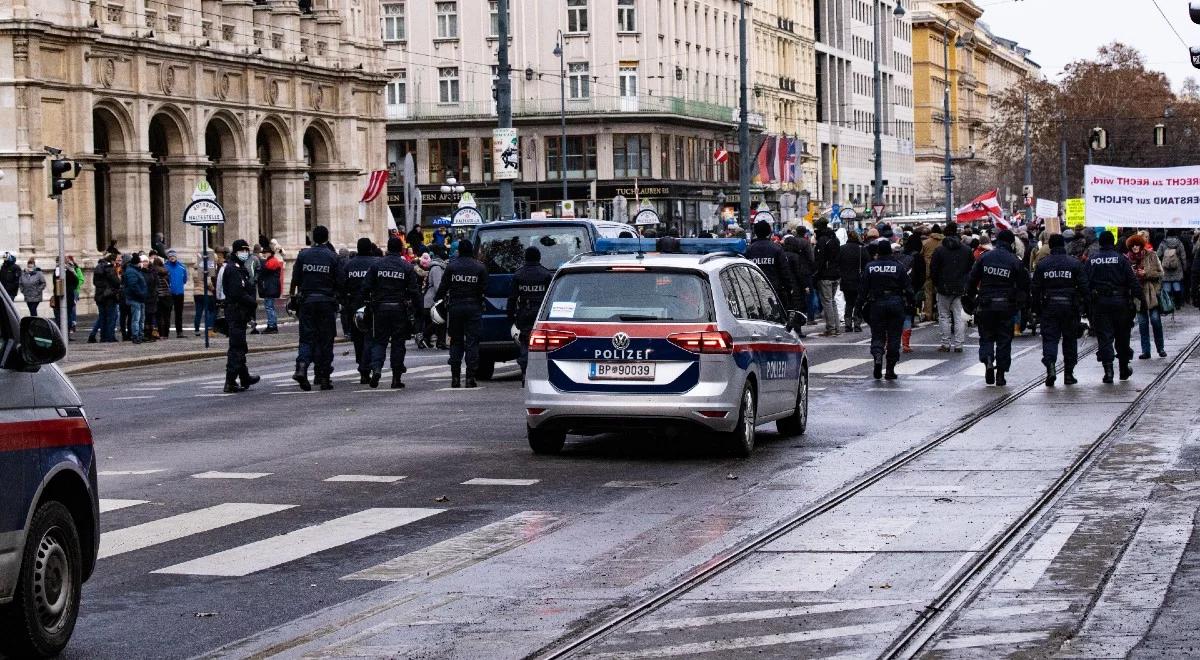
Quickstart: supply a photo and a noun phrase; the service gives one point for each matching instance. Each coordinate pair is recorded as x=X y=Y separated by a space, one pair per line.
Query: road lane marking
x=639 y=484
x=368 y=478
x=798 y=571
x=131 y=398
x=185 y=524
x=143 y=389
x=299 y=543
x=483 y=481
x=837 y=366
x=753 y=642
x=977 y=369
x=464 y=550
x=994 y=639
x=113 y=505
x=231 y=475
x=200 y=396
x=1018 y=610
x=759 y=615
x=1029 y=569
x=914 y=367
x=460 y=389
x=889 y=389
x=125 y=473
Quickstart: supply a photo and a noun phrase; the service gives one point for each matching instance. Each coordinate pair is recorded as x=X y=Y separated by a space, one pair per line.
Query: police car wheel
x=485 y=369
x=740 y=440
x=41 y=617
x=546 y=441
x=796 y=423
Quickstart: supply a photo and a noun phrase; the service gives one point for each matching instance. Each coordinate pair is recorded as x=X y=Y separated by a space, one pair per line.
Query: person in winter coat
x=827 y=273
x=1149 y=273
x=799 y=263
x=10 y=275
x=912 y=258
x=1173 y=255
x=928 y=247
x=852 y=258
x=136 y=290
x=33 y=286
x=948 y=270
x=177 y=279
x=270 y=288
x=1077 y=243
x=107 y=290
x=68 y=287
x=162 y=285
x=437 y=269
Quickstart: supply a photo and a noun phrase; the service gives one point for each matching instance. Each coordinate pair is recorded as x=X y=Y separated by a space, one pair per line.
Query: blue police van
x=501 y=248
x=49 y=511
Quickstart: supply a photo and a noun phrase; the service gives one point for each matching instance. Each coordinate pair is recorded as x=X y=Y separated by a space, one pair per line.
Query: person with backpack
x=949 y=269
x=270 y=287
x=827 y=273
x=1149 y=272
x=852 y=258
x=434 y=333
x=1173 y=256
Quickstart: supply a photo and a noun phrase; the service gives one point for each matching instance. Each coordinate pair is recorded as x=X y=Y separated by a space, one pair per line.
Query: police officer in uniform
x=770 y=258
x=529 y=288
x=1113 y=289
x=886 y=295
x=352 y=296
x=999 y=284
x=1057 y=294
x=394 y=294
x=462 y=288
x=240 y=304
x=317 y=276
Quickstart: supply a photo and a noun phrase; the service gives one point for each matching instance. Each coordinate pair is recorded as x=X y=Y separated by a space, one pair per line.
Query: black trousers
x=1112 y=323
x=318 y=328
x=235 y=355
x=995 y=337
x=166 y=304
x=1060 y=324
x=886 y=318
x=464 y=326
x=390 y=327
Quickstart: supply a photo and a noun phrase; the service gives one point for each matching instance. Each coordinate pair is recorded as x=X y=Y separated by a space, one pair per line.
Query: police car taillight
x=703 y=342
x=541 y=341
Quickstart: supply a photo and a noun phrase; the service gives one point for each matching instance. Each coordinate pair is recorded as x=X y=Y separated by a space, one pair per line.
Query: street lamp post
x=743 y=122
x=948 y=177
x=877 y=186
x=504 y=105
x=562 y=111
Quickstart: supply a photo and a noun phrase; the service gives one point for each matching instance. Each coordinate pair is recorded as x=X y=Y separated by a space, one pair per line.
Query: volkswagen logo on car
x=620 y=341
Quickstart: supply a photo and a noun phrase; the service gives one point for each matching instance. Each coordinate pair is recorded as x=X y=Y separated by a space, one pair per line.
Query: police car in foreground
x=49 y=512
x=697 y=340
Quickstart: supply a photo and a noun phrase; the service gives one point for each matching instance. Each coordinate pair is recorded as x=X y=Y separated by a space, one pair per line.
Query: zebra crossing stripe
x=837 y=366
x=914 y=367
x=465 y=549
x=113 y=505
x=270 y=552
x=185 y=524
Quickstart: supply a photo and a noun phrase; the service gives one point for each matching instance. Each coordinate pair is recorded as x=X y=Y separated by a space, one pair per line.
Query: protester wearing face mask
x=33 y=285
x=240 y=304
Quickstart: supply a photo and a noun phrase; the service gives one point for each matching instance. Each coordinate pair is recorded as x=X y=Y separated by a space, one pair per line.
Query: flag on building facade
x=764 y=160
x=720 y=155
x=789 y=167
x=376 y=184
x=982 y=208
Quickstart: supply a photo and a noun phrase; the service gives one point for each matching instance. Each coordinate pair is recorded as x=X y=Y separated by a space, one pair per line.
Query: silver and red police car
x=628 y=338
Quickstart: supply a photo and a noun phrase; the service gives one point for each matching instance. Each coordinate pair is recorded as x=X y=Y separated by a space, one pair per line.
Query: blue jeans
x=137 y=316
x=205 y=306
x=269 y=306
x=106 y=322
x=1155 y=321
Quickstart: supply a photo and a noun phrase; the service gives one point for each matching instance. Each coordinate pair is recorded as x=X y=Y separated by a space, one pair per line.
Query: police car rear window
x=629 y=297
x=503 y=250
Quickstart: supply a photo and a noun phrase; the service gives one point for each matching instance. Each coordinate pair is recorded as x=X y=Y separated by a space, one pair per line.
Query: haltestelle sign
x=1161 y=197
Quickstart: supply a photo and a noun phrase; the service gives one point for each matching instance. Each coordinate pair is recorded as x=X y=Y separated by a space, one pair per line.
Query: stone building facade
x=278 y=103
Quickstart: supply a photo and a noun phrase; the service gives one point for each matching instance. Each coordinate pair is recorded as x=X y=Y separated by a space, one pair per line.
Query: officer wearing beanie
x=352 y=298
x=392 y=290
x=317 y=277
x=1057 y=293
x=462 y=288
x=769 y=257
x=1113 y=289
x=240 y=304
x=529 y=288
x=999 y=284
x=886 y=293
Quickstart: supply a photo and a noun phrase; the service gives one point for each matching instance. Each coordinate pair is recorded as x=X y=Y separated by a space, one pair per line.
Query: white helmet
x=435 y=312
x=515 y=333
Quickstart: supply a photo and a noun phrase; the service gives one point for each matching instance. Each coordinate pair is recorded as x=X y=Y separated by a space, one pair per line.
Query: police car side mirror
x=796 y=320
x=41 y=343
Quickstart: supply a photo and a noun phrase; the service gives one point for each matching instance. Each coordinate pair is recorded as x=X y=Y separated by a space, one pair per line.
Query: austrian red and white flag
x=983 y=208
x=720 y=154
x=375 y=185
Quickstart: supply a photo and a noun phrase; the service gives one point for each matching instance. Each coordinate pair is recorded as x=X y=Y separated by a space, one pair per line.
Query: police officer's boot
x=247 y=379
x=1126 y=371
x=364 y=378
x=1108 y=373
x=878 y=371
x=989 y=373
x=891 y=371
x=1051 y=373
x=325 y=383
x=397 y=384
x=1069 y=374
x=455 y=377
x=373 y=379
x=471 y=380
x=1000 y=382
x=301 y=376
x=231 y=386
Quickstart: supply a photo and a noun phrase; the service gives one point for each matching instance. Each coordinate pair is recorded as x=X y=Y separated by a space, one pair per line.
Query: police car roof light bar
x=686 y=245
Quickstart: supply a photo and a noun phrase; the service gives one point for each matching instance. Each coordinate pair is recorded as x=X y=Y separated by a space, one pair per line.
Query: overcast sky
x=1060 y=31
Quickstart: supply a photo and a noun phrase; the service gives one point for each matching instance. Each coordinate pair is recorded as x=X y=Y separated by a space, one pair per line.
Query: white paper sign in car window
x=562 y=310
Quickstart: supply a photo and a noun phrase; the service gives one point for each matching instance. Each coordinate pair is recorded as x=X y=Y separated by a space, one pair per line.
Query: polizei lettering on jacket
x=355 y=274
x=464 y=279
x=764 y=261
x=390 y=274
x=1105 y=260
x=882 y=268
x=627 y=354
x=532 y=288
x=1058 y=275
x=316 y=268
x=996 y=271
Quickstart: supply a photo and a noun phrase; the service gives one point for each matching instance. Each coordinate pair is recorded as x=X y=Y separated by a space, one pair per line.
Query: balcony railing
x=550 y=107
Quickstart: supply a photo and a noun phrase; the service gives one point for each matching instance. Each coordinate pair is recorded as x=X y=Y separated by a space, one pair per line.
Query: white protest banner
x=1162 y=197
x=1046 y=208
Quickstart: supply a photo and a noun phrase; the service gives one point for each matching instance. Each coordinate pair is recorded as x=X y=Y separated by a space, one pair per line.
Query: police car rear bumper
x=707 y=408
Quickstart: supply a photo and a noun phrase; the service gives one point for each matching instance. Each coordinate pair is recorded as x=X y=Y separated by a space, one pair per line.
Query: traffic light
x=1160 y=135
x=61 y=174
x=1099 y=140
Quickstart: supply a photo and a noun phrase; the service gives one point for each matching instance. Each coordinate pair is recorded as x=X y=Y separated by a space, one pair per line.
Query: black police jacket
x=317 y=274
x=1060 y=282
x=528 y=290
x=240 y=298
x=391 y=284
x=355 y=276
x=465 y=281
x=883 y=279
x=769 y=257
x=1111 y=276
x=999 y=281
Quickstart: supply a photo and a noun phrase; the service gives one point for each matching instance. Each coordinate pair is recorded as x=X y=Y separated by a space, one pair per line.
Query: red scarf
x=1135 y=259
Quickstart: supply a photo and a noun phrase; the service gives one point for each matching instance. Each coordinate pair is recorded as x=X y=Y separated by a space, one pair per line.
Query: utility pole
x=1062 y=174
x=948 y=177
x=743 y=122
x=504 y=105
x=1028 y=164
